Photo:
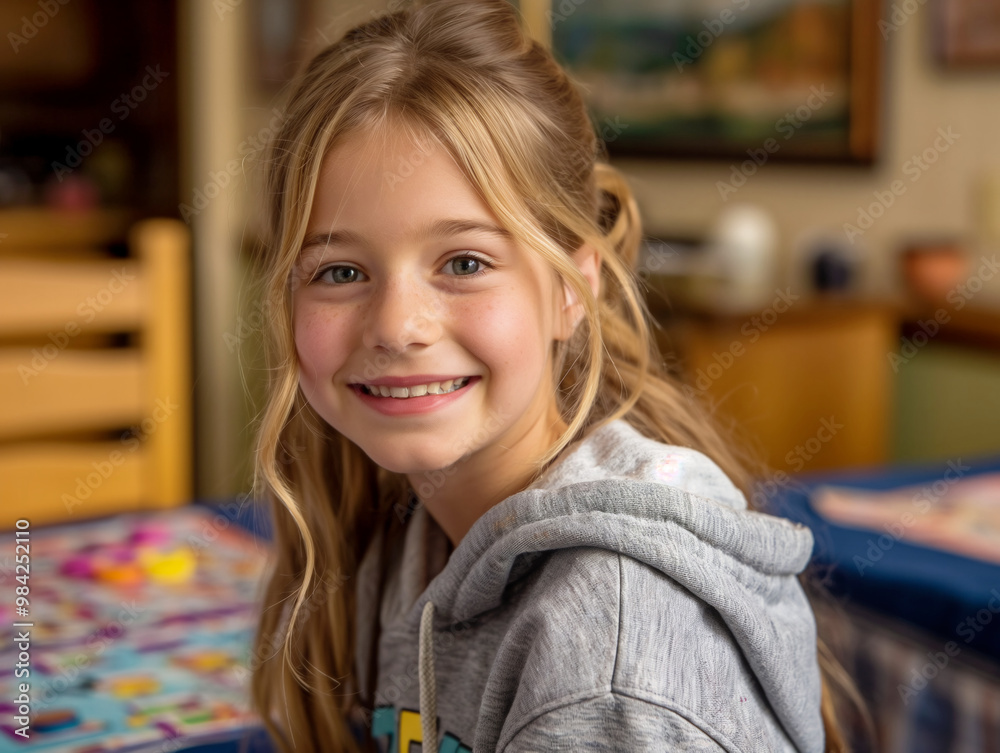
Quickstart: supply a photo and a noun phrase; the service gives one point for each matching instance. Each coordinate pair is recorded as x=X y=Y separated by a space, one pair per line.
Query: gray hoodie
x=626 y=601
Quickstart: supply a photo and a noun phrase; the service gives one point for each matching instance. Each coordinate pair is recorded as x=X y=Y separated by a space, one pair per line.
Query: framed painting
x=790 y=79
x=968 y=33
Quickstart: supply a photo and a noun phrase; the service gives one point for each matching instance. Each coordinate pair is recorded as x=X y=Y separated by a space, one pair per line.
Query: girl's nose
x=401 y=315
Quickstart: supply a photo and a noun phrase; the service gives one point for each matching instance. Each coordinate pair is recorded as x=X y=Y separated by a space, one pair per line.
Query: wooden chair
x=95 y=386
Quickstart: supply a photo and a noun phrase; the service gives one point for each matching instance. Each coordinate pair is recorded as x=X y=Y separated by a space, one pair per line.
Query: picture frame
x=795 y=80
x=967 y=33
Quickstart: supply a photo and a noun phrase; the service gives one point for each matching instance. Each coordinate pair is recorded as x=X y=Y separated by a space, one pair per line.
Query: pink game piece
x=78 y=566
x=151 y=533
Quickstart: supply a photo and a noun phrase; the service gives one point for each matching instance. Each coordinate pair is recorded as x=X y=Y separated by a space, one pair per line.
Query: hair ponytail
x=619 y=208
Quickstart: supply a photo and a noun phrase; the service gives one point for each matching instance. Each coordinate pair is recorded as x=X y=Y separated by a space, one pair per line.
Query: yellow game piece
x=128 y=687
x=174 y=567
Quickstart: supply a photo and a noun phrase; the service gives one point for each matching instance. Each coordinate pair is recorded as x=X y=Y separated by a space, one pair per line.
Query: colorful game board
x=141 y=633
x=960 y=515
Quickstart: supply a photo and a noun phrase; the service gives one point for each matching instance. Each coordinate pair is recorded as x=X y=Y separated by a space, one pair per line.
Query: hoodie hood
x=669 y=508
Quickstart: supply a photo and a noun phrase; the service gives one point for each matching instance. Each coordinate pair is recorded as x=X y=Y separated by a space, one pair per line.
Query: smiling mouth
x=417 y=390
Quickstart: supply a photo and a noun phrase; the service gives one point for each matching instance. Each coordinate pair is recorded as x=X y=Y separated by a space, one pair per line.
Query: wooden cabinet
x=808 y=385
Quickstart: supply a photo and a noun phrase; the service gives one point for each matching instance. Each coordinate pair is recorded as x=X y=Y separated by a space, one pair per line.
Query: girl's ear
x=589 y=261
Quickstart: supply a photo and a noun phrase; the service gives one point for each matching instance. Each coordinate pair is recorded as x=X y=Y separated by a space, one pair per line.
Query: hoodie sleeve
x=612 y=722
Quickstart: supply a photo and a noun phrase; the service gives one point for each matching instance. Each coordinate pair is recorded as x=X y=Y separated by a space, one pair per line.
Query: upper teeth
x=417 y=390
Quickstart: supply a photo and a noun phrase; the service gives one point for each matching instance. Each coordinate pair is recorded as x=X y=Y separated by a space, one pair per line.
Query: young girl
x=499 y=525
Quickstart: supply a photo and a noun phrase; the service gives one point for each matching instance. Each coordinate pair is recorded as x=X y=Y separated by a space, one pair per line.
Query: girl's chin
x=437 y=467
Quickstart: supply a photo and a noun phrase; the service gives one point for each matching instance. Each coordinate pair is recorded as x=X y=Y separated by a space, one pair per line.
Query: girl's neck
x=476 y=483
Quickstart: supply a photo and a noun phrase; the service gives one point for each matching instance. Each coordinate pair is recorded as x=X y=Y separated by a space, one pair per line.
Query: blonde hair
x=465 y=74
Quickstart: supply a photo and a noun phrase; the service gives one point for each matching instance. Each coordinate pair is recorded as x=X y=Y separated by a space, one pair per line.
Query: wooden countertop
x=972 y=325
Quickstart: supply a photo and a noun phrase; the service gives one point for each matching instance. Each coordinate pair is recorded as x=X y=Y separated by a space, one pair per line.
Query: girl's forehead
x=393 y=138
x=390 y=182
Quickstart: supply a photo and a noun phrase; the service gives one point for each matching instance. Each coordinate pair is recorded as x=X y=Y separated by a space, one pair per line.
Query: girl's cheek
x=320 y=338
x=503 y=329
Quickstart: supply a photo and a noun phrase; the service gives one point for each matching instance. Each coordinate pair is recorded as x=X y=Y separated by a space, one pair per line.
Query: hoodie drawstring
x=428 y=692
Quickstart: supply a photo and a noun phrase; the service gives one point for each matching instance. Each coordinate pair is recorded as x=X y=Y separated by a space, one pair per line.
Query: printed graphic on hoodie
x=387 y=729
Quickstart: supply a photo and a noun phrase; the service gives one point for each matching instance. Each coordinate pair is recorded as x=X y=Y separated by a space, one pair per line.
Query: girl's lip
x=393 y=406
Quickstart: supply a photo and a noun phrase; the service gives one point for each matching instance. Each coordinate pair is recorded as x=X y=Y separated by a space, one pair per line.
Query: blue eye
x=339 y=275
x=465 y=265
x=468 y=266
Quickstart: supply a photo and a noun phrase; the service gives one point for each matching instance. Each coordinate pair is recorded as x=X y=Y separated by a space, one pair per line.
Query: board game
x=952 y=513
x=138 y=635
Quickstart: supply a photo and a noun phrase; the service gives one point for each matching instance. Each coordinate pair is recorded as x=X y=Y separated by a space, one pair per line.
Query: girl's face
x=406 y=280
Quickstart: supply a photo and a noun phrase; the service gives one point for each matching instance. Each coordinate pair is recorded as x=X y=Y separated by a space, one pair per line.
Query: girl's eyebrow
x=437 y=229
